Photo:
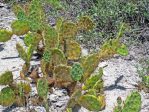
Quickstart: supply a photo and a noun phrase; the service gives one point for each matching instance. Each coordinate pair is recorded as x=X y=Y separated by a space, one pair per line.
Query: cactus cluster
x=14 y=92
x=61 y=64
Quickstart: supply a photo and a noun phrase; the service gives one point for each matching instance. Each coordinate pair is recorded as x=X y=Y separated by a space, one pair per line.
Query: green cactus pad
x=85 y=23
x=32 y=39
x=102 y=101
x=145 y=80
x=6 y=78
x=44 y=67
x=92 y=81
x=5 y=35
x=57 y=57
x=76 y=72
x=26 y=56
x=23 y=88
x=21 y=51
x=73 y=50
x=68 y=30
x=123 y=50
x=47 y=56
x=74 y=98
x=59 y=23
x=20 y=27
x=132 y=103
x=36 y=16
x=89 y=65
x=7 y=96
x=19 y=12
x=62 y=73
x=91 y=92
x=98 y=86
x=42 y=87
x=51 y=38
x=90 y=102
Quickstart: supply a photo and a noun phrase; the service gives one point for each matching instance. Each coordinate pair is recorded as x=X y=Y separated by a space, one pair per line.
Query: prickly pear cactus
x=25 y=55
x=89 y=65
x=102 y=100
x=74 y=98
x=76 y=72
x=118 y=108
x=68 y=30
x=73 y=50
x=19 y=12
x=21 y=51
x=6 y=78
x=7 y=96
x=85 y=23
x=145 y=80
x=20 y=27
x=32 y=39
x=51 y=38
x=5 y=35
x=59 y=23
x=57 y=57
x=62 y=75
x=47 y=56
x=23 y=88
x=36 y=16
x=132 y=103
x=42 y=87
x=90 y=102
x=122 y=50
x=92 y=81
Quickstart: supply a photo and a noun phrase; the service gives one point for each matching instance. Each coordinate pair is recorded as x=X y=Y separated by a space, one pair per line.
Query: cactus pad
x=51 y=38
x=57 y=57
x=145 y=80
x=102 y=100
x=73 y=50
x=90 y=82
x=6 y=78
x=123 y=50
x=32 y=39
x=68 y=30
x=62 y=75
x=47 y=56
x=20 y=27
x=24 y=88
x=7 y=96
x=36 y=15
x=132 y=103
x=5 y=35
x=89 y=65
x=42 y=87
x=76 y=72
x=90 y=102
x=85 y=23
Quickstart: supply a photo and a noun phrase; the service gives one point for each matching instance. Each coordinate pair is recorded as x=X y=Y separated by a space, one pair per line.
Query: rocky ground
x=120 y=74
